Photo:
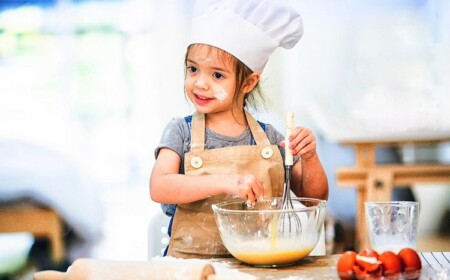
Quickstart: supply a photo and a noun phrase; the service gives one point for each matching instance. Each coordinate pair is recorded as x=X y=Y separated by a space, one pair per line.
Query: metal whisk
x=290 y=222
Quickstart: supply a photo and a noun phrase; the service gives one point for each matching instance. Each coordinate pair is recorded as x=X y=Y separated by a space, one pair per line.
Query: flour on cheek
x=221 y=95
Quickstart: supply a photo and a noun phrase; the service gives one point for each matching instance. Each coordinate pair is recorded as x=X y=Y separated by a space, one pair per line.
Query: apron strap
x=257 y=131
x=198 y=131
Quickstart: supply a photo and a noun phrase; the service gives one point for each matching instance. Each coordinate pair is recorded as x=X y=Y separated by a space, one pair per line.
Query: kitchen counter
x=435 y=265
x=314 y=267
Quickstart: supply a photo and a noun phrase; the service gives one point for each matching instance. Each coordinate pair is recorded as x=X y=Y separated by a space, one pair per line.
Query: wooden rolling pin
x=89 y=269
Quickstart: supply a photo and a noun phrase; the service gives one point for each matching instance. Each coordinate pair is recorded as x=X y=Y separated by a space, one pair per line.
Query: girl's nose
x=201 y=83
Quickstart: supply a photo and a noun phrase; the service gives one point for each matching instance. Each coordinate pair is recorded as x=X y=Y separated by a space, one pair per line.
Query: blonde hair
x=255 y=98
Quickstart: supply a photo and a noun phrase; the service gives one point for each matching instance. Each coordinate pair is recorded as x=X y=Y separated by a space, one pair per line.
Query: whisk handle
x=288 y=159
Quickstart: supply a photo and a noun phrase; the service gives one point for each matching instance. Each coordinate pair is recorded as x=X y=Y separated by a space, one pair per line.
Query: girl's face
x=211 y=80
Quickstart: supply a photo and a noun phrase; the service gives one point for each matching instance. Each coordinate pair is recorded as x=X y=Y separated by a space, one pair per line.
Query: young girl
x=221 y=152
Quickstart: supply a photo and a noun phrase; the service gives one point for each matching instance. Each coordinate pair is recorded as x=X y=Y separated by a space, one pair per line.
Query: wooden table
x=313 y=267
x=375 y=182
x=434 y=264
x=42 y=222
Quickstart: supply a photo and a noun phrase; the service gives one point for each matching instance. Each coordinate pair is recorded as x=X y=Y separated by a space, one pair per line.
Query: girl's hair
x=254 y=98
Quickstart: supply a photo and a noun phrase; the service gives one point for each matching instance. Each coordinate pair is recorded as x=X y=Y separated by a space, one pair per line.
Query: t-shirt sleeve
x=175 y=137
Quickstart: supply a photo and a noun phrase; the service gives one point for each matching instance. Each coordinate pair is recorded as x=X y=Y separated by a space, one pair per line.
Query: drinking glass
x=392 y=225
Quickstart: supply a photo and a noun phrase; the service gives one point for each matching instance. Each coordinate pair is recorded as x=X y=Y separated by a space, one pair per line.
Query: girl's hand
x=302 y=142
x=247 y=187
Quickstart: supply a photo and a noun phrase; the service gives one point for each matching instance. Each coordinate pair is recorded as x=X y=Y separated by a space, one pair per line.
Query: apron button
x=196 y=162
x=267 y=152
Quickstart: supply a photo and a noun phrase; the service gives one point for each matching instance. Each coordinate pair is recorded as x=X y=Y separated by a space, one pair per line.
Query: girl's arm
x=308 y=176
x=169 y=187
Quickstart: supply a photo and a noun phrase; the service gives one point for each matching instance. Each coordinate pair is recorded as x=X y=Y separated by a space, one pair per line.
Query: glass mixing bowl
x=265 y=235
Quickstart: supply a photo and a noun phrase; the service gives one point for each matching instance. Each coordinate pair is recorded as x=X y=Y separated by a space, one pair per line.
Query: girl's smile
x=202 y=100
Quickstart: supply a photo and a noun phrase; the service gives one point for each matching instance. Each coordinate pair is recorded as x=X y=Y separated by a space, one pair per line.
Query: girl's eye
x=218 y=75
x=192 y=69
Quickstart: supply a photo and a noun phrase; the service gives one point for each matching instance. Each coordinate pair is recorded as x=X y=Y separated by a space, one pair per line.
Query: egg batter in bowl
x=254 y=236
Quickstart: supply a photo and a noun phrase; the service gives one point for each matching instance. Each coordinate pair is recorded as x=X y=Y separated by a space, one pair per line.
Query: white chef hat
x=250 y=30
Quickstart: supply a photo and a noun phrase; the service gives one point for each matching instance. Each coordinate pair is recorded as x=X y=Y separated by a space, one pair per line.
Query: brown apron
x=194 y=230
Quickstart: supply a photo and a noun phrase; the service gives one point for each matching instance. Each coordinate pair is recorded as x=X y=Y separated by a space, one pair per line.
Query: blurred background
x=88 y=86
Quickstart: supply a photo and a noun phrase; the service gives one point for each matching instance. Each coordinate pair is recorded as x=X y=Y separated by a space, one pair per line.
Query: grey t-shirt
x=177 y=137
